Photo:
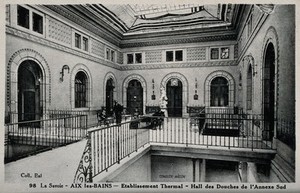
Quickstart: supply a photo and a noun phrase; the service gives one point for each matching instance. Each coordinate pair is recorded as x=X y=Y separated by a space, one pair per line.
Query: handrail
x=108 y=145
x=41 y=120
x=41 y=135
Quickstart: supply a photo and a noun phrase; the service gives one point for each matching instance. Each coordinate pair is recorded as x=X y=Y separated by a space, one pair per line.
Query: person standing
x=118 y=109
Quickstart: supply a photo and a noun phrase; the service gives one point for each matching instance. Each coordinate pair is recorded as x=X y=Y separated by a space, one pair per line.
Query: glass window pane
x=77 y=40
x=107 y=53
x=37 y=25
x=129 y=58
x=169 y=56
x=112 y=58
x=85 y=44
x=23 y=17
x=219 y=92
x=80 y=90
x=178 y=55
x=138 y=58
x=214 y=53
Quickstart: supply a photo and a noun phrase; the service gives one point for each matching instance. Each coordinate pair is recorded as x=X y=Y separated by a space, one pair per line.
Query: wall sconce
x=196 y=87
x=153 y=94
x=65 y=67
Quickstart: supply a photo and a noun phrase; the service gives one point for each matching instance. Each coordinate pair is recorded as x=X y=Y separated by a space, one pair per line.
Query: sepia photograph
x=128 y=96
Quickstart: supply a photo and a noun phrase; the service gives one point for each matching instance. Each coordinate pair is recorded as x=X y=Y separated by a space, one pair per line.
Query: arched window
x=240 y=89
x=30 y=89
x=249 y=88
x=80 y=90
x=109 y=96
x=219 y=92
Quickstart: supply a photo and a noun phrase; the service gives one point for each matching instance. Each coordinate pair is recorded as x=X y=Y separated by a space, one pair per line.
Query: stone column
x=203 y=171
x=252 y=173
x=197 y=170
x=243 y=171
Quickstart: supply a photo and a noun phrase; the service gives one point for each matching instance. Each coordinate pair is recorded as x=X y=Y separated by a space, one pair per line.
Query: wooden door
x=174 y=94
x=135 y=97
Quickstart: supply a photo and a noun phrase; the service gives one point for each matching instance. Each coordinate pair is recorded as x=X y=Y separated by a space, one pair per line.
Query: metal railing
x=212 y=129
x=92 y=118
x=108 y=145
x=30 y=137
x=286 y=132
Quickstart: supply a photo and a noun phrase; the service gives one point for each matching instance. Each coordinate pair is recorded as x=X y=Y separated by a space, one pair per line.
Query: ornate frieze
x=7 y=13
x=153 y=56
x=59 y=31
x=175 y=40
x=98 y=48
x=194 y=54
x=119 y=57
x=179 y=65
x=236 y=51
x=108 y=35
x=57 y=46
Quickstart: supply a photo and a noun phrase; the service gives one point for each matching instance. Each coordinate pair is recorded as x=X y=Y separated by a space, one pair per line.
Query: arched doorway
x=29 y=91
x=219 y=92
x=135 y=97
x=81 y=87
x=269 y=92
x=174 y=94
x=109 y=97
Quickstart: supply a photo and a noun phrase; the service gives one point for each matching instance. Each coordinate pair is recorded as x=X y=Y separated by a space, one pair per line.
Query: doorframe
x=38 y=96
x=271 y=37
x=185 y=84
x=170 y=87
x=137 y=81
x=144 y=85
x=231 y=87
x=108 y=76
x=12 y=80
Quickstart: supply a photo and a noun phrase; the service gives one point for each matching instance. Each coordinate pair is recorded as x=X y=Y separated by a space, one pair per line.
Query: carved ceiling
x=150 y=25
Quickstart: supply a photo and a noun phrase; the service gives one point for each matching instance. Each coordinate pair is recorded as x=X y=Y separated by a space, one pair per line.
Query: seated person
x=102 y=119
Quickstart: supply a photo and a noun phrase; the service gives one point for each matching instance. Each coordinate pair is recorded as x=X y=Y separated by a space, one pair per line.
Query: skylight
x=157 y=11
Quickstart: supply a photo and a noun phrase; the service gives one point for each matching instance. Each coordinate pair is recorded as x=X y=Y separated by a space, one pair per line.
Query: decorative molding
x=175 y=40
x=12 y=80
x=109 y=75
x=249 y=60
x=97 y=48
x=101 y=61
x=119 y=57
x=231 y=86
x=179 y=65
x=195 y=54
x=143 y=83
x=271 y=37
x=81 y=68
x=245 y=42
x=83 y=173
x=7 y=13
x=185 y=88
x=153 y=56
x=236 y=51
x=57 y=46
x=59 y=31
x=66 y=12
